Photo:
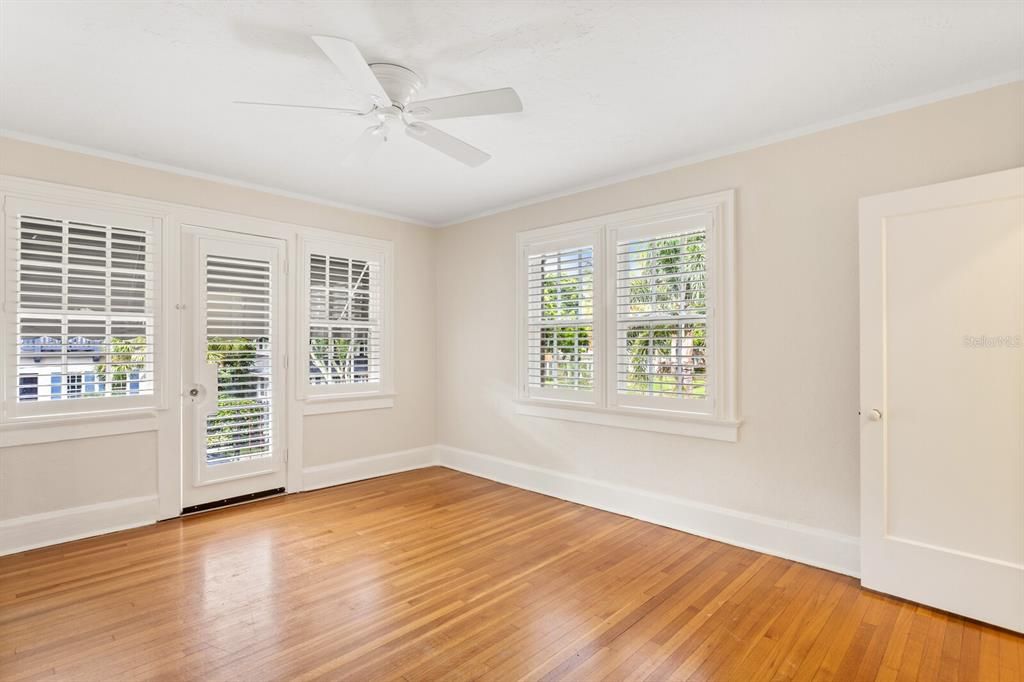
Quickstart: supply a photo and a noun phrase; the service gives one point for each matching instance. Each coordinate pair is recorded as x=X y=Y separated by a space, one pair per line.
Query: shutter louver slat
x=85 y=310
x=560 y=319
x=660 y=288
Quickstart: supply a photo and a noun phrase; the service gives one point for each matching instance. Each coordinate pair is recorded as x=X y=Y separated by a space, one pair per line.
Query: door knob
x=875 y=415
x=193 y=392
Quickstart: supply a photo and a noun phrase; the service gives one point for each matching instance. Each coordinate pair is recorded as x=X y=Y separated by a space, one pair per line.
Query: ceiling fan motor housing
x=401 y=84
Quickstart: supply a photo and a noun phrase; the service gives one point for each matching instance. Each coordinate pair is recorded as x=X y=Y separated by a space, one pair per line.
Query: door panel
x=942 y=360
x=234 y=421
x=951 y=402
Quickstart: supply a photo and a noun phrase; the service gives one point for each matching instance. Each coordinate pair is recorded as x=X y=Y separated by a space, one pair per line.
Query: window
x=84 y=311
x=560 y=285
x=661 y=318
x=641 y=335
x=74 y=385
x=347 y=319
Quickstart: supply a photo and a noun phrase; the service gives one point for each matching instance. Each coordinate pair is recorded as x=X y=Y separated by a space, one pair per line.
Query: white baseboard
x=368 y=467
x=813 y=546
x=51 y=528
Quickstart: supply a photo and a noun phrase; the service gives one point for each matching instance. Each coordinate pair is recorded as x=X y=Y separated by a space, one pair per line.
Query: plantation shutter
x=560 y=320
x=85 y=310
x=345 y=320
x=240 y=343
x=662 y=318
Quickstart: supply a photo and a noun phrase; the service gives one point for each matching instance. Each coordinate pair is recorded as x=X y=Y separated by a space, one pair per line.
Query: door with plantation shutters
x=233 y=366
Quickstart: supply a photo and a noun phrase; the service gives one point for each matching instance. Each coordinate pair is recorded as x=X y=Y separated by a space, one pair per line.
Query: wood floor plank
x=436 y=575
x=896 y=644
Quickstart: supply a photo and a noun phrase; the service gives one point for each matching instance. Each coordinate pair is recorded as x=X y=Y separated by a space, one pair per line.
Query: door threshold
x=231 y=501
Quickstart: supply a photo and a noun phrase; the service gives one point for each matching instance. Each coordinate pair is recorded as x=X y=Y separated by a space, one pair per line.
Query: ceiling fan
x=389 y=89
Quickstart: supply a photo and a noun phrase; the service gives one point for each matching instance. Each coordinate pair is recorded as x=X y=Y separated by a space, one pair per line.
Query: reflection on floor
x=434 y=574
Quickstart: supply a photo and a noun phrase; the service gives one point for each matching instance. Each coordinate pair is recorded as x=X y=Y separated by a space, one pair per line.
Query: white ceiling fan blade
x=359 y=112
x=349 y=60
x=500 y=101
x=365 y=145
x=446 y=144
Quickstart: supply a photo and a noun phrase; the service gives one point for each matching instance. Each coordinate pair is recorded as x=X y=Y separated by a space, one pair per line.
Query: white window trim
x=603 y=405
x=341 y=397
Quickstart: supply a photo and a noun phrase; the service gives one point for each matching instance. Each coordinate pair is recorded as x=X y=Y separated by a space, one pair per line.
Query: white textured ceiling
x=609 y=88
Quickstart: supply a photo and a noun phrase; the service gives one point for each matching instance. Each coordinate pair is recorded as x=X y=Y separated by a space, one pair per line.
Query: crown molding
x=187 y=172
x=901 y=105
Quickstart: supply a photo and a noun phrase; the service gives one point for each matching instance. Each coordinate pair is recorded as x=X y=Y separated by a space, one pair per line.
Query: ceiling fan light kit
x=389 y=90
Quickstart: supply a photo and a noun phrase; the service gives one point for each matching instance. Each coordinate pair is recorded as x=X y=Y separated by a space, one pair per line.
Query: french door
x=233 y=385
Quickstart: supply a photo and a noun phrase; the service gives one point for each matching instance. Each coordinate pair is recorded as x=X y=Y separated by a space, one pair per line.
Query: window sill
x=697 y=427
x=347 y=403
x=52 y=430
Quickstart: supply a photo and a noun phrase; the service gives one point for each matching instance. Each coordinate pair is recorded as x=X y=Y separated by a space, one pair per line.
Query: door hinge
x=286 y=362
x=286 y=455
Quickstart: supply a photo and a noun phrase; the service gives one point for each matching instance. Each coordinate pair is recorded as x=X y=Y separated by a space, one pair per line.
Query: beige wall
x=51 y=476
x=797 y=257
x=797 y=458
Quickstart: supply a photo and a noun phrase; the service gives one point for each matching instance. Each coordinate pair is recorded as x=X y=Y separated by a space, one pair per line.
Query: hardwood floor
x=436 y=575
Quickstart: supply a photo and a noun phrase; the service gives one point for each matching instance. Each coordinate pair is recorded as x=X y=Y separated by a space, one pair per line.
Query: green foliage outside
x=566 y=350
x=333 y=358
x=125 y=357
x=234 y=426
x=667 y=356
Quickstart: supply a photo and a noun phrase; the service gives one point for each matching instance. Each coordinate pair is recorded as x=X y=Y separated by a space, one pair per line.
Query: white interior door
x=942 y=396
x=232 y=370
